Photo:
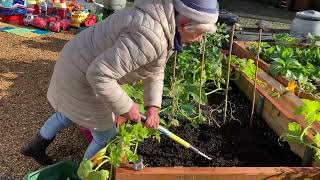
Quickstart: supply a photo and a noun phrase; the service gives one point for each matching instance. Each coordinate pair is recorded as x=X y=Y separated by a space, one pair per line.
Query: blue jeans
x=58 y=121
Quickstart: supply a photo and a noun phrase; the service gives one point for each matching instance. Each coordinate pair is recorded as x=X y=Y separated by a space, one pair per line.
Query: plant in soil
x=232 y=144
x=190 y=98
x=297 y=134
x=123 y=149
x=189 y=80
x=299 y=64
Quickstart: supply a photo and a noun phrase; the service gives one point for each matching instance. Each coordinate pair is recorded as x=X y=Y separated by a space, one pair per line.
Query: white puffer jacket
x=132 y=44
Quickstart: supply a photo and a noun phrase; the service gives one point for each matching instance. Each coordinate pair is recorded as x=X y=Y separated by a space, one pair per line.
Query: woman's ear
x=182 y=23
x=180 y=29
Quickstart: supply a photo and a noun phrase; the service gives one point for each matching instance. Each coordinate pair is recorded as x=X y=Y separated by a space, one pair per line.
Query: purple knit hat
x=203 y=11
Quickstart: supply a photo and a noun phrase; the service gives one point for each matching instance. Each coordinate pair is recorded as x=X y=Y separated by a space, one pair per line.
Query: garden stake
x=201 y=70
x=255 y=78
x=228 y=76
x=177 y=139
x=173 y=81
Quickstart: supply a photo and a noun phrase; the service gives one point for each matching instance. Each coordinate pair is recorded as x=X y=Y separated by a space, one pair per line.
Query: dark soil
x=233 y=144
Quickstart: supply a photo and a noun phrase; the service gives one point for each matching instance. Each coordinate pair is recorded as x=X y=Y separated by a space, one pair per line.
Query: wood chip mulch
x=26 y=65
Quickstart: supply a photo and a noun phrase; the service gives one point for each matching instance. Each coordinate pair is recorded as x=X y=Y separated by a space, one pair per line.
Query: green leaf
x=193 y=91
x=188 y=109
x=115 y=154
x=139 y=132
x=310 y=68
x=291 y=75
x=284 y=38
x=134 y=91
x=287 y=53
x=166 y=91
x=317 y=139
x=141 y=108
x=294 y=129
x=292 y=64
x=174 y=122
x=294 y=132
x=130 y=156
x=154 y=133
x=85 y=168
x=98 y=175
x=310 y=110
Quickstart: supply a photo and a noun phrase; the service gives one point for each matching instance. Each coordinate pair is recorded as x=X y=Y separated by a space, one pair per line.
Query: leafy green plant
x=288 y=67
x=254 y=46
x=246 y=66
x=297 y=134
x=306 y=85
x=313 y=39
x=186 y=79
x=122 y=149
x=86 y=172
x=181 y=95
x=301 y=64
x=284 y=38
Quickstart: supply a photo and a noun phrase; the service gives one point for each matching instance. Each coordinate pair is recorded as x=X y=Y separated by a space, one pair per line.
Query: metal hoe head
x=177 y=139
x=199 y=152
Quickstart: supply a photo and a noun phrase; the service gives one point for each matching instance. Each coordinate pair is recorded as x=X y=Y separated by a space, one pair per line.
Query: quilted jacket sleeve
x=153 y=89
x=133 y=49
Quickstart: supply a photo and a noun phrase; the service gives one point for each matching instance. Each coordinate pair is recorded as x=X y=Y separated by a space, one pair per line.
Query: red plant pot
x=16 y=19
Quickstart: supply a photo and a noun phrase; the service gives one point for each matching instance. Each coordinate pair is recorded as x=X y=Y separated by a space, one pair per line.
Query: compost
x=233 y=144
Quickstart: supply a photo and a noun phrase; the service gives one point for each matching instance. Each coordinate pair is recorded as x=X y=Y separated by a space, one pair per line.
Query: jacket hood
x=163 y=12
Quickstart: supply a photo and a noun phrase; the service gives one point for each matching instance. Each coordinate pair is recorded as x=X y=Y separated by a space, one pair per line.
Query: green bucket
x=64 y=170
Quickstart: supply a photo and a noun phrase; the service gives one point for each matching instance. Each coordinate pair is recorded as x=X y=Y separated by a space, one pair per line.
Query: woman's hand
x=133 y=114
x=153 y=118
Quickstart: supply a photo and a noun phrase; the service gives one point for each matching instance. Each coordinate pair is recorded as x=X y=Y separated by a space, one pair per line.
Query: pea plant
x=297 y=134
x=123 y=149
x=190 y=77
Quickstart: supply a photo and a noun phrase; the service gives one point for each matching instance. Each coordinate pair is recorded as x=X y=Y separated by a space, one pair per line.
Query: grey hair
x=195 y=26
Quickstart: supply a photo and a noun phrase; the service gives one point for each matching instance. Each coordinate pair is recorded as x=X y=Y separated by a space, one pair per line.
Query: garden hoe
x=262 y=26
x=176 y=138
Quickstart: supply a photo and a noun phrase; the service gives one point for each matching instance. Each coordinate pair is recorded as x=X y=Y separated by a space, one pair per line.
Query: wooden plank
x=277 y=113
x=290 y=101
x=218 y=173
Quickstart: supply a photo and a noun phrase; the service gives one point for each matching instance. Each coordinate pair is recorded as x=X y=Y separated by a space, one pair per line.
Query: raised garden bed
x=218 y=173
x=193 y=107
x=240 y=49
x=232 y=145
x=288 y=102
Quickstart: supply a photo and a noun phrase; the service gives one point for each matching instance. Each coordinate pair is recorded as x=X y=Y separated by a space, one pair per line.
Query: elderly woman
x=131 y=44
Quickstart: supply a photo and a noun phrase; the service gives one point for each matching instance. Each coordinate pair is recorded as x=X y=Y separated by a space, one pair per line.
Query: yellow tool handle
x=169 y=134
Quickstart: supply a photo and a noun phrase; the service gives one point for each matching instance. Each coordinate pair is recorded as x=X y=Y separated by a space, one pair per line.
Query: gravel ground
x=26 y=66
x=251 y=23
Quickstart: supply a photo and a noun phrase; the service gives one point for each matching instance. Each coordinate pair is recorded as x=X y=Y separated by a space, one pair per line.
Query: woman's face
x=186 y=35
x=190 y=37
